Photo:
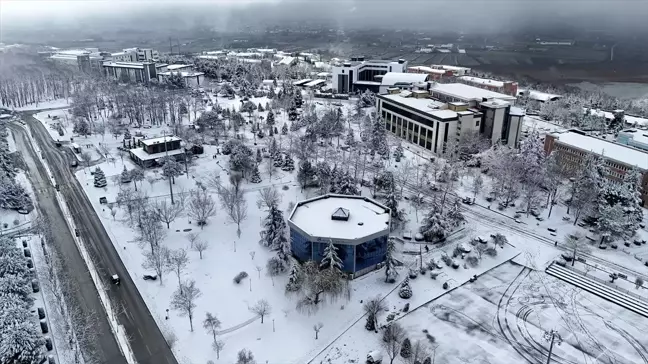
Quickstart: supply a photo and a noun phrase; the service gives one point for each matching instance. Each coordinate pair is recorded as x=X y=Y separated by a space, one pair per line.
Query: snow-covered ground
x=501 y=318
x=229 y=254
x=50 y=104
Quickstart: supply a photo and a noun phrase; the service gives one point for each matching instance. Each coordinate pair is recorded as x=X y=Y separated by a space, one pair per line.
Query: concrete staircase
x=600 y=288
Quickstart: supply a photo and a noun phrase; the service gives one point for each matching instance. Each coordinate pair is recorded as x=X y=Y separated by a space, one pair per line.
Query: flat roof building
x=573 y=146
x=130 y=71
x=150 y=151
x=358 y=226
x=505 y=87
x=359 y=75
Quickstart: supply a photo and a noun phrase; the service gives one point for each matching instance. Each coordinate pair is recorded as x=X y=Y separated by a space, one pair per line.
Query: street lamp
x=553 y=337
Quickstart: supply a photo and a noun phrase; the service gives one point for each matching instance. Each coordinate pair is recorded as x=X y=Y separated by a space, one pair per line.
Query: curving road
x=146 y=340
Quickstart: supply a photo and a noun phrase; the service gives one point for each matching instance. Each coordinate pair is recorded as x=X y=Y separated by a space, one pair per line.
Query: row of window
x=410 y=131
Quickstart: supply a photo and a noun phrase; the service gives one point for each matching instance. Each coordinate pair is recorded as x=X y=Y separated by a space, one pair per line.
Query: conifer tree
x=284 y=129
x=270 y=119
x=331 y=260
x=125 y=176
x=405 y=291
x=274 y=229
x=99 y=178
x=390 y=260
x=288 y=164
x=256 y=177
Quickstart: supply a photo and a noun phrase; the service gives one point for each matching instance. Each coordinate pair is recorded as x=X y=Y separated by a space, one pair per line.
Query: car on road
x=150 y=277
x=115 y=279
x=74 y=164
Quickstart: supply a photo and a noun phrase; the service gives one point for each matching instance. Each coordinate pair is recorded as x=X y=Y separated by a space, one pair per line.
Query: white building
x=505 y=87
x=130 y=71
x=191 y=79
x=403 y=81
x=358 y=75
x=135 y=55
x=471 y=95
x=457 y=71
x=433 y=124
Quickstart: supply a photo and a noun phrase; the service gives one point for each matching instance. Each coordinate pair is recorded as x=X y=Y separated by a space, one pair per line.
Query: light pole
x=553 y=337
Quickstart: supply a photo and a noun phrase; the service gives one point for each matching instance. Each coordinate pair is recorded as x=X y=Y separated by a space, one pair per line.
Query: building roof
x=366 y=217
x=287 y=61
x=450 y=68
x=495 y=104
x=467 y=92
x=302 y=82
x=611 y=150
x=423 y=105
x=392 y=78
x=539 y=96
x=152 y=141
x=369 y=83
x=139 y=65
x=182 y=73
x=443 y=114
x=517 y=111
x=324 y=74
x=142 y=155
x=427 y=69
x=178 y=66
x=482 y=81
x=315 y=83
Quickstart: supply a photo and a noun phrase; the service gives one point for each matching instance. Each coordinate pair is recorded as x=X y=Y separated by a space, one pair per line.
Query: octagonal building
x=358 y=226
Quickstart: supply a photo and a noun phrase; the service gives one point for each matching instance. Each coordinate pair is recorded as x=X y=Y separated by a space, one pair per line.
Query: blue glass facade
x=354 y=257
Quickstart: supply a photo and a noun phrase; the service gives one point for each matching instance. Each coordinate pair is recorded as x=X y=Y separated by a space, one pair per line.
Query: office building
x=573 y=147
x=130 y=71
x=504 y=87
x=358 y=226
x=149 y=151
x=358 y=75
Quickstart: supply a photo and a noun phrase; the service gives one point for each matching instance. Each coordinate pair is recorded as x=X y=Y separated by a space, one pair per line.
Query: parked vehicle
x=115 y=279
x=374 y=357
x=150 y=277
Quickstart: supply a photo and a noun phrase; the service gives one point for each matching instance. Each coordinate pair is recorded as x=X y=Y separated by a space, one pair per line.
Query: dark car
x=74 y=164
x=149 y=277
x=115 y=279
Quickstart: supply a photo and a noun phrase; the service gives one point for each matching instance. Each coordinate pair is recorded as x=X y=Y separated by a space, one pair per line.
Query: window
x=477 y=122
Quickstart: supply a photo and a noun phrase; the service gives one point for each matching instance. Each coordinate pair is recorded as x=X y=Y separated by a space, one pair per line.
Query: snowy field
x=501 y=318
x=50 y=104
x=228 y=254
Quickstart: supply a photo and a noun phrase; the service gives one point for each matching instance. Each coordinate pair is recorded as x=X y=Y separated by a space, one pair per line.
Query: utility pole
x=553 y=337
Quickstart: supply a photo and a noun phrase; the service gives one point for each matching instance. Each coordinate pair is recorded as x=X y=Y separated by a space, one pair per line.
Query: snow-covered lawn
x=501 y=318
x=50 y=104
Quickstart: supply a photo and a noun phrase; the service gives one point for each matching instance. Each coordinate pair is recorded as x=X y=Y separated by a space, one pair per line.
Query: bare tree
x=211 y=323
x=317 y=327
x=214 y=180
x=177 y=262
x=86 y=158
x=151 y=230
x=166 y=212
x=419 y=352
x=218 y=346
x=200 y=246
x=270 y=169
x=137 y=175
x=393 y=340
x=245 y=357
x=576 y=244
x=184 y=300
x=234 y=204
x=262 y=308
x=201 y=206
x=268 y=197
x=403 y=174
x=157 y=259
x=193 y=238
x=372 y=308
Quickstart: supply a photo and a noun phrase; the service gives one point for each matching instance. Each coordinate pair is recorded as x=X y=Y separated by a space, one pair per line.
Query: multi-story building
x=190 y=78
x=433 y=73
x=357 y=226
x=456 y=70
x=150 y=151
x=573 y=146
x=634 y=138
x=451 y=92
x=130 y=71
x=505 y=87
x=85 y=59
x=135 y=55
x=434 y=124
x=403 y=81
x=358 y=75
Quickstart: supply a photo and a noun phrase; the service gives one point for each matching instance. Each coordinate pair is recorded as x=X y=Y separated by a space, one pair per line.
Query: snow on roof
x=142 y=155
x=177 y=66
x=450 y=68
x=152 y=141
x=443 y=114
x=392 y=78
x=323 y=74
x=370 y=83
x=124 y=64
x=481 y=81
x=268 y=82
x=539 y=96
x=467 y=92
x=443 y=50
x=182 y=73
x=302 y=82
x=495 y=104
x=423 y=105
x=517 y=111
x=632 y=120
x=287 y=60
x=427 y=69
x=314 y=83
x=610 y=150
x=315 y=217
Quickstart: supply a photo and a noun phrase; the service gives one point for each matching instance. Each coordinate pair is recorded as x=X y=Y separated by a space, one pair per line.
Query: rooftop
x=340 y=217
x=427 y=69
x=177 y=66
x=142 y=155
x=392 y=78
x=124 y=64
x=467 y=92
x=539 y=96
x=482 y=81
x=152 y=141
x=182 y=73
x=618 y=152
x=450 y=68
x=443 y=114
x=314 y=83
x=287 y=60
x=424 y=105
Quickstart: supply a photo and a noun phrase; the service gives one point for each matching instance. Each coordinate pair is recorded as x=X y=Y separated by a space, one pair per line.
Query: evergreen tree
x=454 y=215
x=127 y=135
x=379 y=137
x=289 y=164
x=259 y=158
x=292 y=113
x=260 y=108
x=284 y=129
x=99 y=178
x=397 y=215
x=294 y=277
x=305 y=174
x=270 y=119
x=260 y=134
x=13 y=196
x=274 y=229
x=276 y=131
x=331 y=260
x=125 y=176
x=370 y=325
x=273 y=148
x=81 y=127
x=405 y=290
x=406 y=349
x=390 y=260
x=256 y=177
x=278 y=160
x=435 y=225
x=399 y=152
x=350 y=140
x=298 y=99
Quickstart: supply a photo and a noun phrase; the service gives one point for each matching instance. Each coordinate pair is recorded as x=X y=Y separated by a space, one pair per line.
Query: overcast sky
x=470 y=15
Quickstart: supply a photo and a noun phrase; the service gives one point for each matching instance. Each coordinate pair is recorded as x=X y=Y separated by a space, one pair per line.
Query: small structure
x=190 y=78
x=149 y=151
x=358 y=226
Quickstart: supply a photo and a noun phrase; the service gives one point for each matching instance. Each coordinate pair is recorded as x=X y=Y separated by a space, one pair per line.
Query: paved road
x=105 y=347
x=147 y=341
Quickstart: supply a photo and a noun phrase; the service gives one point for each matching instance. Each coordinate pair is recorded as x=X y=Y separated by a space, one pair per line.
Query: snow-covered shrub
x=434 y=275
x=472 y=261
x=406 y=349
x=407 y=307
x=275 y=266
x=446 y=259
x=405 y=291
x=99 y=178
x=413 y=273
x=239 y=277
x=491 y=251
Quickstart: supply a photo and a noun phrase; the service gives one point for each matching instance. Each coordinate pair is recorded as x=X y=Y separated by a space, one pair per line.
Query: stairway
x=599 y=288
